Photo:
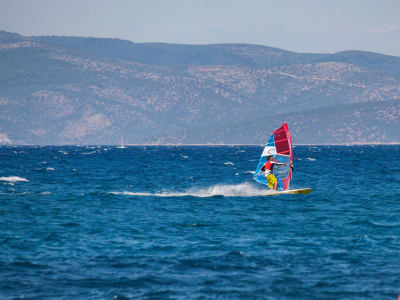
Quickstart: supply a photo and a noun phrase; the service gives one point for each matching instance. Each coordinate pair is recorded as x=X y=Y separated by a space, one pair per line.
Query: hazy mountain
x=63 y=90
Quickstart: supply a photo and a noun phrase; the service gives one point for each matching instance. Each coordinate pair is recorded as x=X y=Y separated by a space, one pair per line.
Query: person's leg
x=275 y=185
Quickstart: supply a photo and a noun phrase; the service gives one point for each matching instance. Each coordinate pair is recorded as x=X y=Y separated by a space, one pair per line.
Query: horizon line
x=195 y=144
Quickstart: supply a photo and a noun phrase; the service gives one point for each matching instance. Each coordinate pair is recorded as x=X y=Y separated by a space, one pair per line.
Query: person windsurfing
x=268 y=169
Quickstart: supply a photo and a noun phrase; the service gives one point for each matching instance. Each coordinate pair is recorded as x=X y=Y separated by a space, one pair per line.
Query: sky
x=307 y=26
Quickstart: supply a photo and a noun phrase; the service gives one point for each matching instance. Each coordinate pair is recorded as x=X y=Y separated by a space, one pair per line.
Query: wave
x=88 y=153
x=13 y=179
x=225 y=190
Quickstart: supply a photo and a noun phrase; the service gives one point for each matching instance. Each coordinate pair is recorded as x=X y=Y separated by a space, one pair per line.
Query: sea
x=188 y=222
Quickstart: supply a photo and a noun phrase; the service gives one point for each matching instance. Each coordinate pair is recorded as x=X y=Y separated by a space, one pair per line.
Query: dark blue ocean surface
x=189 y=223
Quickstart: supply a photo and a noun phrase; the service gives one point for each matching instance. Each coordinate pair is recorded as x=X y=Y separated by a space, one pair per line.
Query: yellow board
x=298 y=191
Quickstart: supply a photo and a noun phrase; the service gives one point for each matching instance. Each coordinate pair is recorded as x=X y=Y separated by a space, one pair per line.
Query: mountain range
x=83 y=90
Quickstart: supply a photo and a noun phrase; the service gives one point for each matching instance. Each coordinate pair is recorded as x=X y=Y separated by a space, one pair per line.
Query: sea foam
x=226 y=190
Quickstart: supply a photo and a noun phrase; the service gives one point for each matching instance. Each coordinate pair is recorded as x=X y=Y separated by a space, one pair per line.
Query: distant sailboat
x=122 y=146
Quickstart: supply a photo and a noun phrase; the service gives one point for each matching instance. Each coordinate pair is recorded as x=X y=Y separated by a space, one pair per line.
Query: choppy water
x=188 y=222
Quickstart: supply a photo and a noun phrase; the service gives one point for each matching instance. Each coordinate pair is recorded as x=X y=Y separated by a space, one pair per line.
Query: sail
x=279 y=145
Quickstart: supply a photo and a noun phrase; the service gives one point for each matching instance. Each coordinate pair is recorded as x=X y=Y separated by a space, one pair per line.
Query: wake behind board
x=297 y=191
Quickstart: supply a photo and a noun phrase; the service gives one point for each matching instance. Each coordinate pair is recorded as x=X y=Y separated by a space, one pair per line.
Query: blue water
x=189 y=223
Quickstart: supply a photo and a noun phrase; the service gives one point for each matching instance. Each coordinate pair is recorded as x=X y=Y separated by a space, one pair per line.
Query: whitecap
x=229 y=163
x=311 y=159
x=88 y=153
x=13 y=179
x=250 y=172
x=50 y=169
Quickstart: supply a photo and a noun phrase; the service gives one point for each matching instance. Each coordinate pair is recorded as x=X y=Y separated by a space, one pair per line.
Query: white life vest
x=267 y=172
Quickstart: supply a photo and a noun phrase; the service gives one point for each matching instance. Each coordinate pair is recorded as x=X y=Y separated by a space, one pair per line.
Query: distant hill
x=74 y=90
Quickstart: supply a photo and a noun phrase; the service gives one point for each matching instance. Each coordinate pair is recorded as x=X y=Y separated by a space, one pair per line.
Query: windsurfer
x=268 y=168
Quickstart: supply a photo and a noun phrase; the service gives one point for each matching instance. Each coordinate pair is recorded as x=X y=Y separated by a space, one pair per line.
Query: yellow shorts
x=271 y=180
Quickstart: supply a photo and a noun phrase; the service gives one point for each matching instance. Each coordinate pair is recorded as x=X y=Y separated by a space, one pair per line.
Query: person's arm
x=279 y=164
x=283 y=164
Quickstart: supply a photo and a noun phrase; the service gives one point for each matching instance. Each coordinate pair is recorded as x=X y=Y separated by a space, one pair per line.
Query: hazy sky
x=299 y=25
